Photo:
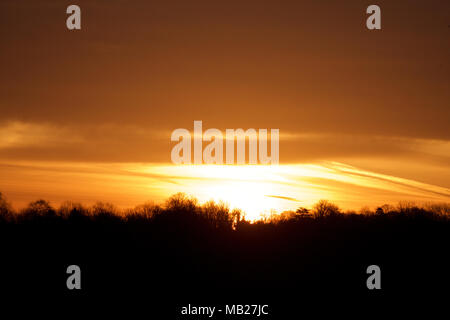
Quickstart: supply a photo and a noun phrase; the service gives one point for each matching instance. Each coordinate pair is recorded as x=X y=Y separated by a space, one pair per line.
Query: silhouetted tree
x=143 y=211
x=302 y=211
x=406 y=206
x=39 y=208
x=440 y=209
x=237 y=217
x=365 y=210
x=218 y=214
x=105 y=212
x=324 y=208
x=387 y=208
x=5 y=209
x=69 y=209
x=181 y=202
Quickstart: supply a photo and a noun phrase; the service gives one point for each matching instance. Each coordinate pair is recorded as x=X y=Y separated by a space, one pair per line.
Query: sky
x=363 y=115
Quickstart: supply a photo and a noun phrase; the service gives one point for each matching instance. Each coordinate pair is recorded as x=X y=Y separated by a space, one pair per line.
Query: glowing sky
x=255 y=189
x=87 y=115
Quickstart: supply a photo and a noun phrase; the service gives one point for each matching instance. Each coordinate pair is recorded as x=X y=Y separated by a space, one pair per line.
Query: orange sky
x=108 y=96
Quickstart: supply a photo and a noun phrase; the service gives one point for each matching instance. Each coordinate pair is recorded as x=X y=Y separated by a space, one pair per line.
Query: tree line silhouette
x=181 y=249
x=181 y=208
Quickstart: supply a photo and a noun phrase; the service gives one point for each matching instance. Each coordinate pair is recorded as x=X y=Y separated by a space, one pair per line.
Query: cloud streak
x=132 y=143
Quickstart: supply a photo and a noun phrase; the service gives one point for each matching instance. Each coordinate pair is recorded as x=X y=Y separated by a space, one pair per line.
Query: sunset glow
x=254 y=189
x=225 y=159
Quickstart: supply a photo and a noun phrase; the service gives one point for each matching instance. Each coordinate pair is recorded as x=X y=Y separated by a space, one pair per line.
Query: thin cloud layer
x=132 y=143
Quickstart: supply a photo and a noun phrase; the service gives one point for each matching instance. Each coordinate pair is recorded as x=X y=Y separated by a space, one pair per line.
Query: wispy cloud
x=284 y=198
x=17 y=134
x=113 y=142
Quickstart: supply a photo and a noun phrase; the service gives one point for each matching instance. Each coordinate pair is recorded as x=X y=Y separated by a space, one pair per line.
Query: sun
x=264 y=189
x=252 y=189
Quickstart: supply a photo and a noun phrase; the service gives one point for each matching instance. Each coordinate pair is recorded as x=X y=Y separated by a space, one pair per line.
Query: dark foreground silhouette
x=184 y=253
